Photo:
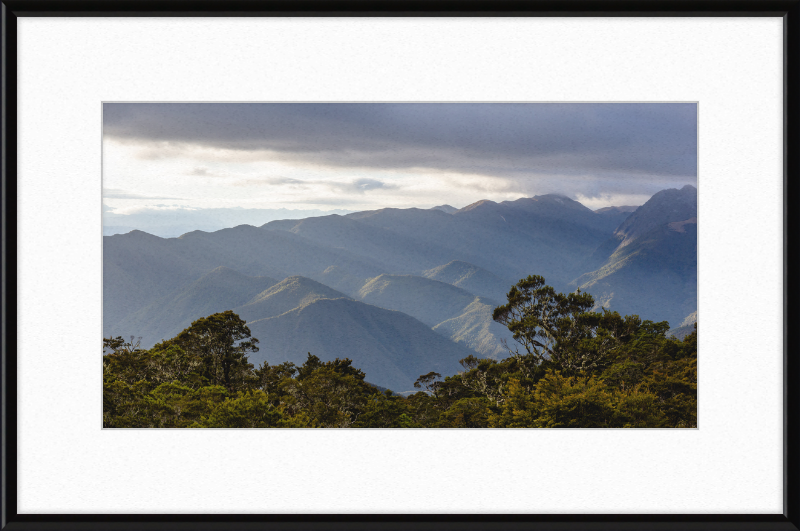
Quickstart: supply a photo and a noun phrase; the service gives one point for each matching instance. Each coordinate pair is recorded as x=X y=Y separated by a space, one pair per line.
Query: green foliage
x=542 y=321
x=169 y=405
x=466 y=413
x=221 y=341
x=385 y=410
x=518 y=409
x=269 y=377
x=331 y=399
x=573 y=402
x=251 y=409
x=572 y=369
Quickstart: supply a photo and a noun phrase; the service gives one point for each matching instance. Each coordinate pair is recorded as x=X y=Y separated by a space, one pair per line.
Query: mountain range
x=403 y=292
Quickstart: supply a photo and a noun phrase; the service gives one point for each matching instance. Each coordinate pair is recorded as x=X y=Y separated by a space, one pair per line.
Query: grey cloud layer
x=357 y=186
x=602 y=141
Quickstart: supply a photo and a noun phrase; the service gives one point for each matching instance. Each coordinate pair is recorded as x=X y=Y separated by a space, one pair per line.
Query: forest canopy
x=569 y=367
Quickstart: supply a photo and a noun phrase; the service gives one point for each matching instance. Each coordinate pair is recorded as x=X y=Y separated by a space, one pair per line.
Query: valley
x=403 y=292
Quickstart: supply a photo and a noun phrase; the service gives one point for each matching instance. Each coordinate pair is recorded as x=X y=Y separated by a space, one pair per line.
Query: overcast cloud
x=397 y=154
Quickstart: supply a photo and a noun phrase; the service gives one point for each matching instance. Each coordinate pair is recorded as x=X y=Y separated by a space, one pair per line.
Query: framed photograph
x=417 y=221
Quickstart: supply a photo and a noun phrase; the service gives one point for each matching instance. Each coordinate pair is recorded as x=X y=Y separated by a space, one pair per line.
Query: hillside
x=217 y=291
x=685 y=328
x=444 y=269
x=471 y=278
x=392 y=251
x=139 y=268
x=656 y=277
x=284 y=296
x=451 y=311
x=392 y=348
x=430 y=301
x=613 y=216
x=547 y=234
x=652 y=269
x=664 y=207
x=476 y=330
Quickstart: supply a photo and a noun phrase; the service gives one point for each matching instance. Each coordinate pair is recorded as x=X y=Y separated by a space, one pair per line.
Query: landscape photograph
x=399 y=265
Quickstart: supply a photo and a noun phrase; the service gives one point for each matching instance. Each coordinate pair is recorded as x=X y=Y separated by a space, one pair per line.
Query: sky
x=364 y=156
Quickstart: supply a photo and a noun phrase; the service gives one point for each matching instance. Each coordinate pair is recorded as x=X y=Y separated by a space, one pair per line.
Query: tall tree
x=222 y=341
x=546 y=324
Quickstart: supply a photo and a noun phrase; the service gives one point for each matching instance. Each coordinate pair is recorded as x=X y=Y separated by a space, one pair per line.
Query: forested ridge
x=567 y=367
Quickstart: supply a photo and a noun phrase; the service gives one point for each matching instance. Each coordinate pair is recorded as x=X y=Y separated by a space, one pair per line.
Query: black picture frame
x=789 y=10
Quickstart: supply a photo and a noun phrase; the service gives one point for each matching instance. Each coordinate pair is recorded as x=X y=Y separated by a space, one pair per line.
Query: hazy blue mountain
x=471 y=278
x=615 y=215
x=652 y=270
x=654 y=276
x=285 y=296
x=681 y=332
x=392 y=348
x=451 y=311
x=339 y=278
x=447 y=209
x=476 y=330
x=140 y=268
x=110 y=230
x=690 y=319
x=549 y=234
x=171 y=223
x=664 y=207
x=220 y=290
x=430 y=301
x=252 y=250
x=405 y=290
x=392 y=251
x=616 y=209
x=686 y=327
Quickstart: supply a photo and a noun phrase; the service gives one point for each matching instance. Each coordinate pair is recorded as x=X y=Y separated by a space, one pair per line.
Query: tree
x=429 y=382
x=385 y=410
x=126 y=361
x=222 y=341
x=269 y=377
x=251 y=409
x=518 y=410
x=343 y=367
x=484 y=377
x=170 y=363
x=466 y=413
x=331 y=399
x=542 y=320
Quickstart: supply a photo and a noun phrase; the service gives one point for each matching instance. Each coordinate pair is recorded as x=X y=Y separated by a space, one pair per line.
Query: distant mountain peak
x=665 y=207
x=192 y=234
x=478 y=204
x=290 y=293
x=140 y=234
x=299 y=279
x=241 y=228
x=447 y=209
x=549 y=205
x=555 y=197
